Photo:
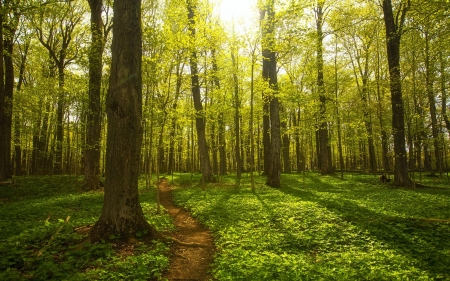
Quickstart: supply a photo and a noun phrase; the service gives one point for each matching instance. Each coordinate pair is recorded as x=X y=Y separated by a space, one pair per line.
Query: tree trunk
x=338 y=117
x=222 y=147
x=207 y=174
x=325 y=165
x=270 y=75
x=93 y=135
x=4 y=142
x=444 y=92
x=286 y=147
x=17 y=120
x=122 y=213
x=214 y=140
x=59 y=122
x=393 y=36
x=252 y=142
x=237 y=127
x=300 y=159
x=432 y=103
x=265 y=30
x=8 y=103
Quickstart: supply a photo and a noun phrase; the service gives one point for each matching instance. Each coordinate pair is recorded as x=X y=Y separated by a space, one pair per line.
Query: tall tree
x=23 y=54
x=10 y=22
x=122 y=213
x=324 y=154
x=5 y=165
x=92 y=151
x=237 y=127
x=271 y=96
x=55 y=28
x=394 y=28
x=207 y=173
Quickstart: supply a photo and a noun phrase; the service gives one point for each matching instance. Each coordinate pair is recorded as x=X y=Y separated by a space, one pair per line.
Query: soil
x=187 y=263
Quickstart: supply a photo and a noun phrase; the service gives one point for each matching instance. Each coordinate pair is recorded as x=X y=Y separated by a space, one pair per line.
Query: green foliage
x=39 y=241
x=324 y=228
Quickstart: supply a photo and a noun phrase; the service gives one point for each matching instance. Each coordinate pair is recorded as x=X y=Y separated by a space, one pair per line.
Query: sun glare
x=241 y=12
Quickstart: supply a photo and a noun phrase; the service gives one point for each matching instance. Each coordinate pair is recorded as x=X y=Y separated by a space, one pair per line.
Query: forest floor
x=187 y=262
x=312 y=228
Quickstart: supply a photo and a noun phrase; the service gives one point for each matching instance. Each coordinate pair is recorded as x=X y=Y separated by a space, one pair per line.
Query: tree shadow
x=425 y=241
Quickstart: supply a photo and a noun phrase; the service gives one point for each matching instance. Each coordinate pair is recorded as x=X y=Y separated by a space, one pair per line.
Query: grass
x=39 y=240
x=313 y=228
x=324 y=228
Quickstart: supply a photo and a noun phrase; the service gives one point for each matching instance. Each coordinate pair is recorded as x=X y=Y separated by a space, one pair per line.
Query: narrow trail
x=187 y=263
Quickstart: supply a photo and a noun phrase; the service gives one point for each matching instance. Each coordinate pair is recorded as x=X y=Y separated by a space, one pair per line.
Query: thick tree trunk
x=274 y=177
x=207 y=174
x=270 y=75
x=393 y=36
x=122 y=213
x=8 y=104
x=93 y=126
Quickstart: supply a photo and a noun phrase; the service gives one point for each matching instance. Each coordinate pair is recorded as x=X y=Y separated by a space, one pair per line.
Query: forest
x=331 y=82
x=325 y=121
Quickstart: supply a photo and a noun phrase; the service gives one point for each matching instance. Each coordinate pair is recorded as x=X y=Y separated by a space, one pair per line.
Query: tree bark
x=393 y=36
x=58 y=166
x=444 y=92
x=171 y=163
x=93 y=126
x=17 y=120
x=265 y=96
x=270 y=75
x=122 y=213
x=237 y=127
x=222 y=146
x=429 y=77
x=286 y=146
x=325 y=165
x=4 y=142
x=207 y=174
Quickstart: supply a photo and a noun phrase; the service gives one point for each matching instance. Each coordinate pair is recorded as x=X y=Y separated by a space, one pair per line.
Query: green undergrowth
x=324 y=228
x=44 y=223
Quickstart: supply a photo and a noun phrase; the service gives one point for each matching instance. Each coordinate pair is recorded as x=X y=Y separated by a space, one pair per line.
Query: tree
x=56 y=30
x=9 y=23
x=207 y=174
x=271 y=94
x=394 y=29
x=92 y=151
x=122 y=213
x=237 y=127
x=5 y=165
x=324 y=154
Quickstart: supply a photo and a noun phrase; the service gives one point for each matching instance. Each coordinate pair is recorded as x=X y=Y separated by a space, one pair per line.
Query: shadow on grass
x=426 y=241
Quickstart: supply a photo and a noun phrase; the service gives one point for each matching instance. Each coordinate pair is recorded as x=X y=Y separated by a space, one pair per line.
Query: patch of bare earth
x=187 y=263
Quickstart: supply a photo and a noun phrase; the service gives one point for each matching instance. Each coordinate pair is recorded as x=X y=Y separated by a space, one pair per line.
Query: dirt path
x=187 y=263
